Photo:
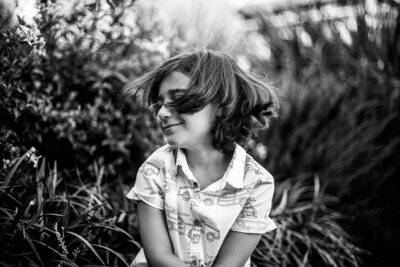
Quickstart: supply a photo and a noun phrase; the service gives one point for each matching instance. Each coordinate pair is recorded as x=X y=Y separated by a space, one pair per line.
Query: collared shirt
x=198 y=219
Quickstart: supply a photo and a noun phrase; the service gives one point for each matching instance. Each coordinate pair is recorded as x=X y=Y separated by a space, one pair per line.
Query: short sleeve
x=254 y=216
x=148 y=186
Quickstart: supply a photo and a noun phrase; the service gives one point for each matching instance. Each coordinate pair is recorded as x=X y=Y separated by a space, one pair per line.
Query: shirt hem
x=134 y=196
x=268 y=229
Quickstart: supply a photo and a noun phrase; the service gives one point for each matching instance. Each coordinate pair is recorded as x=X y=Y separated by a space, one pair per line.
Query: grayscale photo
x=199 y=133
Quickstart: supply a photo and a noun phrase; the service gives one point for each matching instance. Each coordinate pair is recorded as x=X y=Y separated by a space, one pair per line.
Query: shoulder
x=163 y=156
x=255 y=173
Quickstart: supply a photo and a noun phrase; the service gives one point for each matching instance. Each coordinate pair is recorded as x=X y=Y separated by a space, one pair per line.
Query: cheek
x=181 y=118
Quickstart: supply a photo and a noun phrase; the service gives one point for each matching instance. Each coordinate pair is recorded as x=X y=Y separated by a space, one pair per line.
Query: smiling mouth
x=164 y=128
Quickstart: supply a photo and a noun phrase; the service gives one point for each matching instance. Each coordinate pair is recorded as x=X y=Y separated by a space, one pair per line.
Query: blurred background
x=70 y=149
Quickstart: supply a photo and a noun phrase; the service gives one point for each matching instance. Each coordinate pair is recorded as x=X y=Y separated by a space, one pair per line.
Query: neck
x=207 y=165
x=205 y=158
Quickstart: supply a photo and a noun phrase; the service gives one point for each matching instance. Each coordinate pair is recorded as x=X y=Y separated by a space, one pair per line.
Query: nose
x=164 y=112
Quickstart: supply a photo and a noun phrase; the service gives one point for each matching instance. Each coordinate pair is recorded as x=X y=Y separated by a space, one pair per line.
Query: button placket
x=196 y=250
x=196 y=198
x=196 y=191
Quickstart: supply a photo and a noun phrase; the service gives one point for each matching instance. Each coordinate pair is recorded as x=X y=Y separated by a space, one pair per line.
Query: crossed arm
x=235 y=250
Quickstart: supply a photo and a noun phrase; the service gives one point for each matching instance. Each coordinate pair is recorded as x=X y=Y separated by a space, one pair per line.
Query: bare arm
x=154 y=234
x=236 y=249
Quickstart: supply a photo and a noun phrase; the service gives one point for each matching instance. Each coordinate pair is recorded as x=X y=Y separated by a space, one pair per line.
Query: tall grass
x=48 y=221
x=309 y=231
x=340 y=116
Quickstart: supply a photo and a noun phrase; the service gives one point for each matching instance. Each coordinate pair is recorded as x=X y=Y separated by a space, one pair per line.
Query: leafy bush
x=60 y=83
x=46 y=221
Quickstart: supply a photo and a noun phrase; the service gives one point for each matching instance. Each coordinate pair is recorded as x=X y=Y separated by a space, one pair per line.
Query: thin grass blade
x=87 y=244
x=113 y=252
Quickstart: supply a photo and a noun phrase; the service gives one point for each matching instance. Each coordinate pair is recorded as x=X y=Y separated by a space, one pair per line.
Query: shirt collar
x=234 y=174
x=182 y=161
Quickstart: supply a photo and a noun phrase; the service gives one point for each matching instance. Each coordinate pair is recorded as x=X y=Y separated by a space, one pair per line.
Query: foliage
x=340 y=113
x=60 y=83
x=309 y=232
x=203 y=23
x=8 y=19
x=47 y=221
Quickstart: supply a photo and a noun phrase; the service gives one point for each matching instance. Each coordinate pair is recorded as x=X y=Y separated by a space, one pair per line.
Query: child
x=202 y=200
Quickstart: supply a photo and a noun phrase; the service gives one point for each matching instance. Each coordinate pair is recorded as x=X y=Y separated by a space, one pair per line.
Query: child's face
x=180 y=129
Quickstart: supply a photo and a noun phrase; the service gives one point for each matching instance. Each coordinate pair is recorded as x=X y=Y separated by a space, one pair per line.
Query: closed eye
x=176 y=93
x=155 y=107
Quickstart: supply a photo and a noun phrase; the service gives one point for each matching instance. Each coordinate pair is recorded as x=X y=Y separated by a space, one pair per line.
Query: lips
x=166 y=127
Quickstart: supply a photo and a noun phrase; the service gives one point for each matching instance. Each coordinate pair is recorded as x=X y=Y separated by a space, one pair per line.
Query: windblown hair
x=246 y=102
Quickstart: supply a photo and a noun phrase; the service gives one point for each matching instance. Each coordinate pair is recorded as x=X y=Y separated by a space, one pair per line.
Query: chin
x=173 y=145
x=171 y=142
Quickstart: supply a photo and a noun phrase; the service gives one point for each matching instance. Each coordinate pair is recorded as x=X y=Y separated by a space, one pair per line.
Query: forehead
x=175 y=80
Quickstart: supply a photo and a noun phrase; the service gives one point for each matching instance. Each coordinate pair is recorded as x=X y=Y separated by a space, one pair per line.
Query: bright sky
x=27 y=8
x=207 y=17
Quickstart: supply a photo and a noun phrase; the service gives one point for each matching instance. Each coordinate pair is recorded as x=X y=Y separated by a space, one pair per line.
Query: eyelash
x=155 y=107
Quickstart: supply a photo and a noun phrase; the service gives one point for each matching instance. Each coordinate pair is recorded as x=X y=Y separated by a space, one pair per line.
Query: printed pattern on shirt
x=198 y=220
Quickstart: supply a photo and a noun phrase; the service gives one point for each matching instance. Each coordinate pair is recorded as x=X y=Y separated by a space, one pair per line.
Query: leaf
x=135 y=243
x=282 y=204
x=68 y=208
x=10 y=175
x=82 y=217
x=54 y=181
x=27 y=238
x=63 y=262
x=113 y=252
x=38 y=214
x=21 y=211
x=10 y=196
x=114 y=228
x=8 y=212
x=87 y=244
x=55 y=251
